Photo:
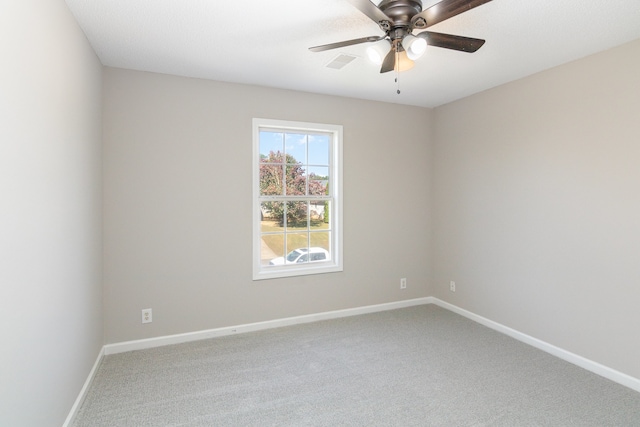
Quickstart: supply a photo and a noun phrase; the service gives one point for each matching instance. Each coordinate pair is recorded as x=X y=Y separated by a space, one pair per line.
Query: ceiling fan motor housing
x=401 y=12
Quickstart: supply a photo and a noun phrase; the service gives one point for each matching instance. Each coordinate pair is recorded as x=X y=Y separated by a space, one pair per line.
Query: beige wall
x=177 y=204
x=537 y=206
x=50 y=212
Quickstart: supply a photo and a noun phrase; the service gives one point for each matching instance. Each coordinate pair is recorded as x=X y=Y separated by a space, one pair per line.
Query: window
x=297 y=198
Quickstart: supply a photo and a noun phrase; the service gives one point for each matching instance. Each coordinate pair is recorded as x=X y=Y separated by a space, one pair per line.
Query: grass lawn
x=296 y=236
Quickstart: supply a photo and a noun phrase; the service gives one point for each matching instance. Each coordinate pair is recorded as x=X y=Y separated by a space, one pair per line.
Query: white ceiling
x=266 y=43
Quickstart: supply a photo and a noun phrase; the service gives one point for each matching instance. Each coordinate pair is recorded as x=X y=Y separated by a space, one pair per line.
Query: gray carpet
x=417 y=366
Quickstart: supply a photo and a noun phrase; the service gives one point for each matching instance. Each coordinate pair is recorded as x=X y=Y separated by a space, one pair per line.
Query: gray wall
x=50 y=210
x=177 y=204
x=537 y=206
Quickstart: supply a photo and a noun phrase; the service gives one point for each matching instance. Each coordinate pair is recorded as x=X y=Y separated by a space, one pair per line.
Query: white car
x=302 y=255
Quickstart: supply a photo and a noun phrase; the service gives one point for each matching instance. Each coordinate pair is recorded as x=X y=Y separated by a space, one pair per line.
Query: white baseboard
x=251 y=327
x=83 y=392
x=589 y=365
x=604 y=371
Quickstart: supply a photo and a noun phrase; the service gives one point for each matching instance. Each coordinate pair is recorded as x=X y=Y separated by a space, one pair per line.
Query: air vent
x=340 y=61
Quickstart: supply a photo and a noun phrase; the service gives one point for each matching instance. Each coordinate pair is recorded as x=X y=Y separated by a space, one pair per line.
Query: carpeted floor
x=417 y=366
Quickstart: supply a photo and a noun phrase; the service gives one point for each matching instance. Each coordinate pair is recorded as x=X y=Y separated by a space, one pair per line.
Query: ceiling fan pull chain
x=398 y=71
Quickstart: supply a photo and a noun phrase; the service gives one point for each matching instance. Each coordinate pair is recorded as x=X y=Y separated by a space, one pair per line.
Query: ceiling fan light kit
x=414 y=46
x=398 y=19
x=377 y=51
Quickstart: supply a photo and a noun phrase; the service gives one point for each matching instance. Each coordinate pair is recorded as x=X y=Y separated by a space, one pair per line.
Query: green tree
x=326 y=208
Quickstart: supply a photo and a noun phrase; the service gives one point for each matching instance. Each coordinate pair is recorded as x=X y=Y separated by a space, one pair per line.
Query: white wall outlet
x=147 y=315
x=403 y=283
x=452 y=286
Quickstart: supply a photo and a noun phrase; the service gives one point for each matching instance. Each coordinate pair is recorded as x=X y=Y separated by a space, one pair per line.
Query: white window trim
x=336 y=215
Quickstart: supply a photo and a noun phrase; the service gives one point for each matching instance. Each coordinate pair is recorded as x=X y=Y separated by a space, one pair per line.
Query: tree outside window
x=296 y=170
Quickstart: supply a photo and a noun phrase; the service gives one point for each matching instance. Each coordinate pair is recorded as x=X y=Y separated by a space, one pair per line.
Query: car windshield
x=293 y=255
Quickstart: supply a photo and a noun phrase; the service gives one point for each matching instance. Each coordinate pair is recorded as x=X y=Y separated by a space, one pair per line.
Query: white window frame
x=335 y=189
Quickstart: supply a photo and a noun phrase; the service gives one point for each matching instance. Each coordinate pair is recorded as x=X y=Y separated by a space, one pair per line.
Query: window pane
x=271 y=214
x=296 y=180
x=320 y=240
x=298 y=242
x=272 y=248
x=319 y=218
x=319 y=149
x=318 y=181
x=296 y=147
x=271 y=179
x=271 y=142
x=297 y=215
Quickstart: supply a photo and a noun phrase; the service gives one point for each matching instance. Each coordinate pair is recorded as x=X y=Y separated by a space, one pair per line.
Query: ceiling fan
x=398 y=19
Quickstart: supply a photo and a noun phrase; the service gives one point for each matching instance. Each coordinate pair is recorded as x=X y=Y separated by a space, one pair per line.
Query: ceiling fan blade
x=371 y=10
x=389 y=63
x=336 y=45
x=449 y=41
x=444 y=10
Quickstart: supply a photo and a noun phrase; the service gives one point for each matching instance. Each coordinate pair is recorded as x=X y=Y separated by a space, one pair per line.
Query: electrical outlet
x=403 y=283
x=452 y=286
x=147 y=315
